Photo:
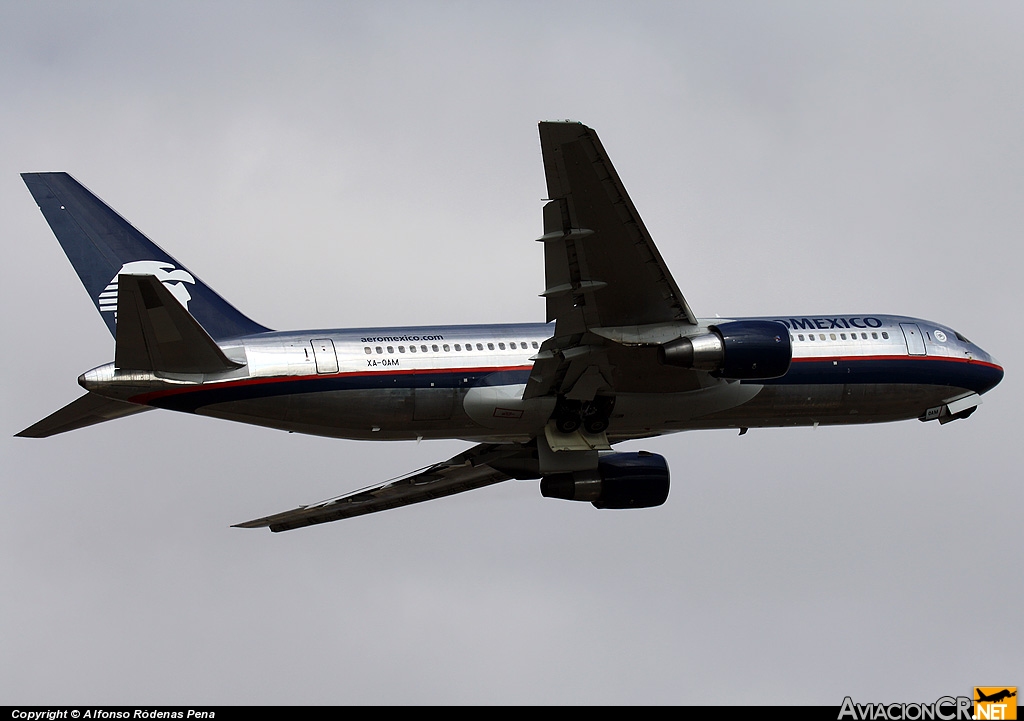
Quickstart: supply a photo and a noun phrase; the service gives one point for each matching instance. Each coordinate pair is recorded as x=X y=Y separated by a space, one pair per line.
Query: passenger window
x=875 y=336
x=479 y=346
x=512 y=345
x=379 y=349
x=433 y=348
x=801 y=336
x=810 y=336
x=446 y=348
x=391 y=349
x=534 y=344
x=832 y=336
x=412 y=349
x=821 y=336
x=423 y=349
x=501 y=346
x=842 y=336
x=401 y=349
x=864 y=336
x=368 y=351
x=885 y=335
x=490 y=346
x=458 y=347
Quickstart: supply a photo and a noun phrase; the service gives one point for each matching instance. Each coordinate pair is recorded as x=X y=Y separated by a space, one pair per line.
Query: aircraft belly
x=828 y=404
x=639 y=415
x=356 y=414
x=502 y=408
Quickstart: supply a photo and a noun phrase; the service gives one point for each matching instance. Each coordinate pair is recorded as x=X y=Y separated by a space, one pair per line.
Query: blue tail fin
x=102 y=245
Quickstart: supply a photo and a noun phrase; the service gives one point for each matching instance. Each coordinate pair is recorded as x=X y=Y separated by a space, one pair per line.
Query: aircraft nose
x=989 y=371
x=997 y=375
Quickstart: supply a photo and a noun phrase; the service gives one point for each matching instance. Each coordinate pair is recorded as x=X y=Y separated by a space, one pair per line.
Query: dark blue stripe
x=978 y=377
x=209 y=394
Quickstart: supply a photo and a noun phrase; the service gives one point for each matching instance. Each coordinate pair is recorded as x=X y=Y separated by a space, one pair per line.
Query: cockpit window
x=960 y=338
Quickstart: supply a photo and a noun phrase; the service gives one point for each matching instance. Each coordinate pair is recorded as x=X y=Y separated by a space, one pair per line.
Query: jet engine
x=621 y=480
x=736 y=350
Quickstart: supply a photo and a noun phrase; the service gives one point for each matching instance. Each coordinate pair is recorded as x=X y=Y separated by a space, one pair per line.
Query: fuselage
x=467 y=381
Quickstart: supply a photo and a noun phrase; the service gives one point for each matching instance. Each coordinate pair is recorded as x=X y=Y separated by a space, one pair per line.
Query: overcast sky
x=331 y=164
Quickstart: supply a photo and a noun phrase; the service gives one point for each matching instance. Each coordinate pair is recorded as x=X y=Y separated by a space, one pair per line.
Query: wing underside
x=607 y=288
x=601 y=265
x=475 y=468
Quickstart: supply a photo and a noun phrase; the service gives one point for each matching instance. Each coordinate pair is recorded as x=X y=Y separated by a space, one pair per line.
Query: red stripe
x=946 y=359
x=146 y=397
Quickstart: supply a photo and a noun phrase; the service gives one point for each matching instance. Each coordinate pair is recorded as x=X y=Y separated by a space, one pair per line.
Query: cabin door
x=323 y=353
x=915 y=341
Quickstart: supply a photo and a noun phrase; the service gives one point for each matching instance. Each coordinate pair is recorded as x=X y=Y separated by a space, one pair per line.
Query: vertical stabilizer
x=102 y=245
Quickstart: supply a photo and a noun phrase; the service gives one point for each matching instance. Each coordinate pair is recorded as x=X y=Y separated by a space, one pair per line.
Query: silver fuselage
x=467 y=382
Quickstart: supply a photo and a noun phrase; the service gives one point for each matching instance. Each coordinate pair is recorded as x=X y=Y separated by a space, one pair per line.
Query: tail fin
x=102 y=245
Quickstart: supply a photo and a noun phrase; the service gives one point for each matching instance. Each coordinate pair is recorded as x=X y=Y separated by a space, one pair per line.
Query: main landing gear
x=593 y=415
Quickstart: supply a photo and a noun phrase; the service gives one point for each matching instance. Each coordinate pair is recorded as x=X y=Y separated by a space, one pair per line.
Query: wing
x=601 y=265
x=607 y=285
x=478 y=467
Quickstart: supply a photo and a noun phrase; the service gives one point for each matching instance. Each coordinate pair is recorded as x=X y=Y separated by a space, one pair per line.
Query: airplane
x=620 y=356
x=995 y=697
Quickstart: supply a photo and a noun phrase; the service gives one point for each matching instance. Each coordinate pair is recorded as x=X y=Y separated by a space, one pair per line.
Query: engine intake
x=621 y=480
x=736 y=350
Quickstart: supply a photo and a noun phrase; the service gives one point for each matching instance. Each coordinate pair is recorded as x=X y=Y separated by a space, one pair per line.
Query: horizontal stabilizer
x=88 y=410
x=156 y=333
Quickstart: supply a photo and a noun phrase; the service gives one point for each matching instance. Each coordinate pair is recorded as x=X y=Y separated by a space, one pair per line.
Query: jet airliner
x=620 y=356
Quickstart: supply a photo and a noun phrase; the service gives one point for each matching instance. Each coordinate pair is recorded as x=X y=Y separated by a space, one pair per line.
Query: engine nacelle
x=621 y=480
x=736 y=350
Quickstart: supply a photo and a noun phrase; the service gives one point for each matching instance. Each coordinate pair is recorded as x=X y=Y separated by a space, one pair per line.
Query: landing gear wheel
x=568 y=415
x=597 y=414
x=568 y=423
